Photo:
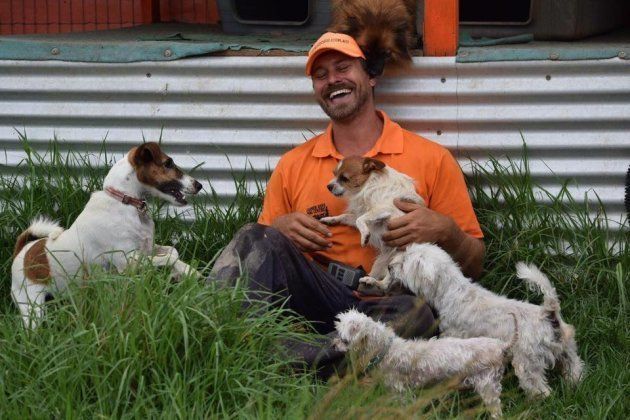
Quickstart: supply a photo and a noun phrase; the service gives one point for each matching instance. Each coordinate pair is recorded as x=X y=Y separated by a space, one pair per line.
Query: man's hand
x=418 y=225
x=306 y=232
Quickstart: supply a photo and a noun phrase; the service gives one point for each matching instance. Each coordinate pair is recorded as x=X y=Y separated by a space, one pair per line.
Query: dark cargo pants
x=279 y=273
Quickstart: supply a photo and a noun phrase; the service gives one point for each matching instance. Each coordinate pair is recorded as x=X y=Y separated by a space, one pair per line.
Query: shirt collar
x=390 y=141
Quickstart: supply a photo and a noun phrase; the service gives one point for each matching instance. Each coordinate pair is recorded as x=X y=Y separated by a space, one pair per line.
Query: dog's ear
x=146 y=152
x=352 y=26
x=354 y=327
x=370 y=165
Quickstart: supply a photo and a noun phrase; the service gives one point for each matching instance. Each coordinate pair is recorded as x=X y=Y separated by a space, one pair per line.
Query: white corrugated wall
x=232 y=113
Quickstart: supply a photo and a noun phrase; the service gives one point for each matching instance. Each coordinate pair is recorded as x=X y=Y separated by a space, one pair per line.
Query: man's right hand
x=306 y=232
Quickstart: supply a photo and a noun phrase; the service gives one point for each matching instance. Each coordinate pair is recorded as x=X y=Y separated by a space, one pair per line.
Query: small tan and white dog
x=407 y=364
x=370 y=187
x=468 y=310
x=112 y=231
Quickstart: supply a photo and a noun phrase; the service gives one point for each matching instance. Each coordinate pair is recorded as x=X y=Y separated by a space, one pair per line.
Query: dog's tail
x=516 y=334
x=40 y=227
x=507 y=346
x=540 y=283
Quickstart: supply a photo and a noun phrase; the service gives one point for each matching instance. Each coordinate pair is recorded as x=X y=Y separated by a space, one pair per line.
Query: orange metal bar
x=441 y=28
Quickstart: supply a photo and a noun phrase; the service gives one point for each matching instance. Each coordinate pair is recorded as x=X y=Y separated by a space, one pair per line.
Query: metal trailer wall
x=236 y=113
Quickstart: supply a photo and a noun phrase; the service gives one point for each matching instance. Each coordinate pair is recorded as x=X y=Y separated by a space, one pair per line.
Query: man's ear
x=370 y=164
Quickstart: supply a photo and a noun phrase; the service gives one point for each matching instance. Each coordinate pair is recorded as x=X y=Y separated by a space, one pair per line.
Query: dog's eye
x=342 y=178
x=169 y=164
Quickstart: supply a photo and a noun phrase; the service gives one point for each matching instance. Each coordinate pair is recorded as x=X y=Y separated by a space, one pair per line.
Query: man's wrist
x=466 y=250
x=449 y=232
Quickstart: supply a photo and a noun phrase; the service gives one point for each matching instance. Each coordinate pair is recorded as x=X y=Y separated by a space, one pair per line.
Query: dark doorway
x=495 y=11
x=280 y=11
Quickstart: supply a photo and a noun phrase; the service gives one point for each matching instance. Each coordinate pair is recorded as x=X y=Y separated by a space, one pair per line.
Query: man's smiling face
x=341 y=85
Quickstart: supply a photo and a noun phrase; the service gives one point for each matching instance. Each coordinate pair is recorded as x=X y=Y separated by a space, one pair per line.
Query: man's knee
x=249 y=247
x=416 y=319
x=249 y=232
x=409 y=315
x=256 y=234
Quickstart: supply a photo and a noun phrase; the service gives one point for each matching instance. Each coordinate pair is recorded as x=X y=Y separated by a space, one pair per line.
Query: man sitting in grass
x=286 y=253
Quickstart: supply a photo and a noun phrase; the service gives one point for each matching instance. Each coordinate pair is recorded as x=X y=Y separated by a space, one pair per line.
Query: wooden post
x=441 y=28
x=150 y=11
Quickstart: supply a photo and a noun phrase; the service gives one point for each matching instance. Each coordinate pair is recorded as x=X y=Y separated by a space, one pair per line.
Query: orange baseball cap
x=332 y=41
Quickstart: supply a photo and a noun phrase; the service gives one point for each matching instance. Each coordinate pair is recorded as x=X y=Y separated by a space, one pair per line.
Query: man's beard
x=346 y=111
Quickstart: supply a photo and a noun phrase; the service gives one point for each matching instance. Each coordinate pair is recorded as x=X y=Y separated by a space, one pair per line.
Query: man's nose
x=333 y=78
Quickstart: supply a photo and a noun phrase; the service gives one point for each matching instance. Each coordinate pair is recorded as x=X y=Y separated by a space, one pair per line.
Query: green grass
x=135 y=345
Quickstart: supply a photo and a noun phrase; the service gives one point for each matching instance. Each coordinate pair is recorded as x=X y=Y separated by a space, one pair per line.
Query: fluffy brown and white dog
x=407 y=364
x=468 y=310
x=112 y=231
x=370 y=187
x=384 y=29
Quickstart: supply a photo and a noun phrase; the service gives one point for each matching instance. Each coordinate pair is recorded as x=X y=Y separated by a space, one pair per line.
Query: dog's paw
x=180 y=270
x=370 y=290
x=330 y=221
x=370 y=281
x=382 y=218
x=394 y=271
x=176 y=277
x=163 y=251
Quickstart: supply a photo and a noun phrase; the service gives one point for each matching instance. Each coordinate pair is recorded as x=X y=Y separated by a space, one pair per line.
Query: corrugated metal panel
x=232 y=113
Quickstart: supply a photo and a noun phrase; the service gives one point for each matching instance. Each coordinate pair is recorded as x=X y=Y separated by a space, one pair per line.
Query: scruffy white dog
x=468 y=310
x=370 y=187
x=406 y=364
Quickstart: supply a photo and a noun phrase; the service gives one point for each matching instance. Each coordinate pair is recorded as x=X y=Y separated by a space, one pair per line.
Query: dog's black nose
x=198 y=186
x=330 y=187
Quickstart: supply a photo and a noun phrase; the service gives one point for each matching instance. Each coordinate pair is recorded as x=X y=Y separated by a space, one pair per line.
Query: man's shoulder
x=300 y=152
x=417 y=143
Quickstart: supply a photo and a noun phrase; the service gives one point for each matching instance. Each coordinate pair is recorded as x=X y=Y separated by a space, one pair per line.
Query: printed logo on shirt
x=318 y=211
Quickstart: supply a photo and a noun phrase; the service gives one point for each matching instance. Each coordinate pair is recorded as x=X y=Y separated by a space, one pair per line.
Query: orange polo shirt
x=298 y=184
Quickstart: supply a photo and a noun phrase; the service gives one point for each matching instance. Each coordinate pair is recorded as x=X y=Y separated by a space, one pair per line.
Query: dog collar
x=141 y=205
x=374 y=361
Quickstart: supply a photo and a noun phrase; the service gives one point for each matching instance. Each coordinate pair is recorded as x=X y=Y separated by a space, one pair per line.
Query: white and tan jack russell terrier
x=113 y=231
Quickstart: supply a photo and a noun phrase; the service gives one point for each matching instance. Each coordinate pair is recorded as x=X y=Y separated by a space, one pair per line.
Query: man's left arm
x=449 y=219
x=421 y=224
